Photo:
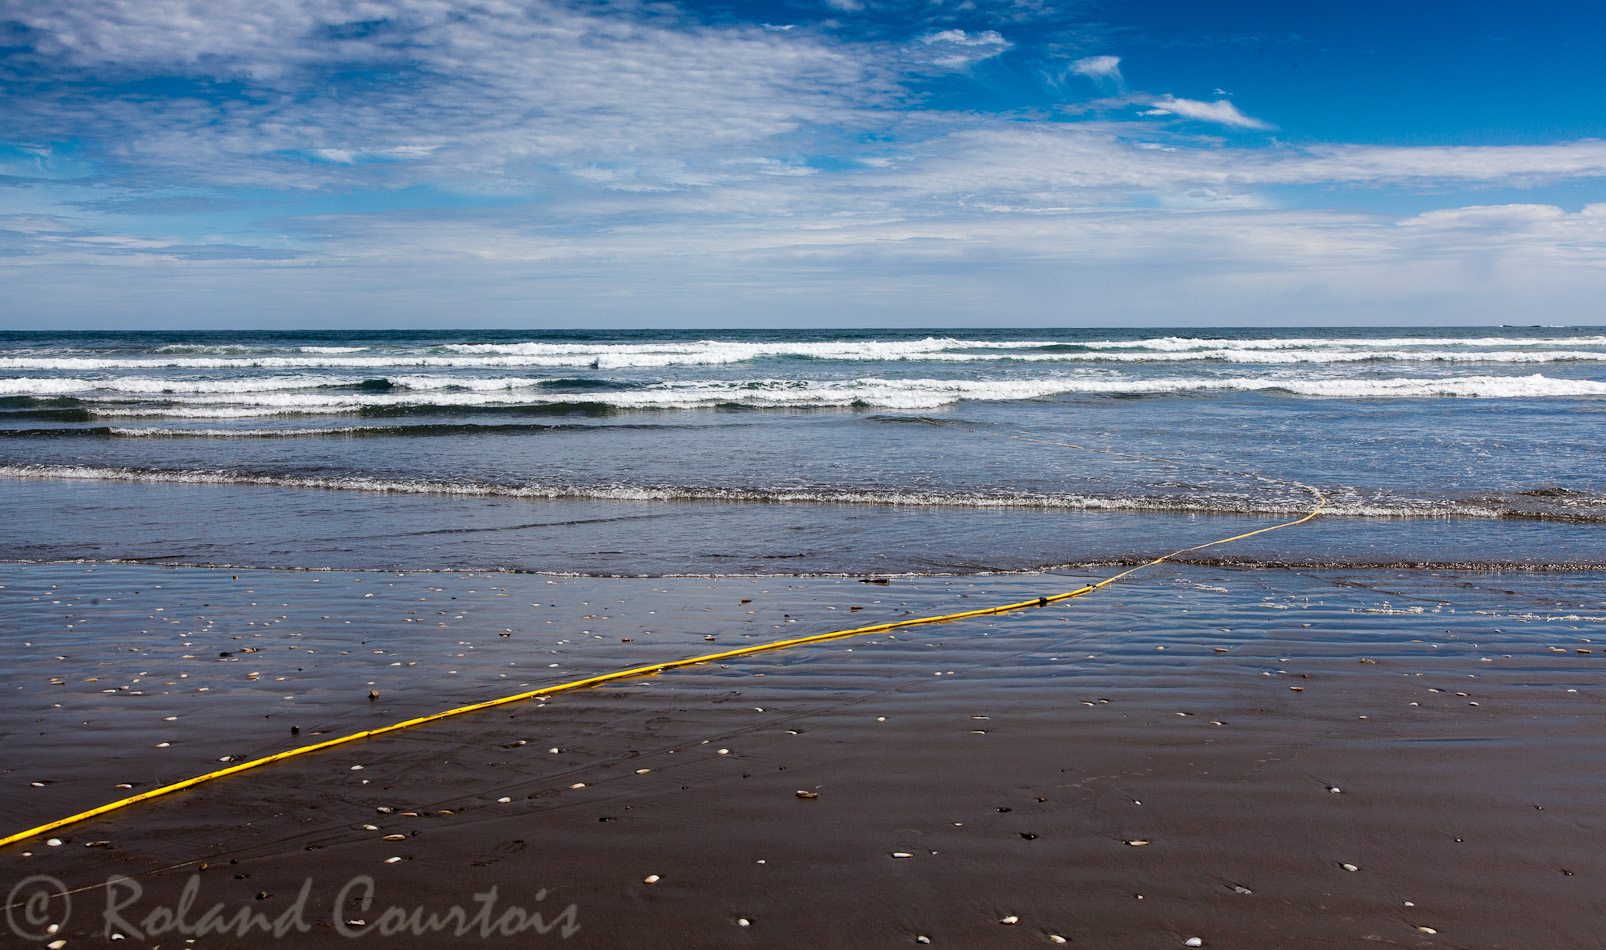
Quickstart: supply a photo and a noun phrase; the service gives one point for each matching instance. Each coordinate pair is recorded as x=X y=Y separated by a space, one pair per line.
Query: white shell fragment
x=1011 y=919
x=651 y=879
x=1193 y=942
x=1349 y=867
x=392 y=860
x=902 y=854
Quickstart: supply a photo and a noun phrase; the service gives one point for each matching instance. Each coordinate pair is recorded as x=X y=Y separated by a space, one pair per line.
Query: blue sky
x=223 y=163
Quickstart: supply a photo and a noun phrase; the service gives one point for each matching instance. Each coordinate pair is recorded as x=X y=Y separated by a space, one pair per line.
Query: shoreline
x=1112 y=705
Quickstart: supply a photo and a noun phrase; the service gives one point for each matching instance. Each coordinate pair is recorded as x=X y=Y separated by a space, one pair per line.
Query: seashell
x=1011 y=919
x=56 y=944
x=1138 y=842
x=743 y=922
x=163 y=745
x=1334 y=789
x=1297 y=689
x=1193 y=942
x=642 y=771
x=37 y=784
x=1349 y=867
x=1427 y=930
x=921 y=938
x=54 y=842
x=1056 y=938
x=578 y=785
x=902 y=854
x=805 y=794
x=356 y=768
x=724 y=752
x=392 y=860
x=384 y=809
x=1241 y=889
x=370 y=827
x=651 y=879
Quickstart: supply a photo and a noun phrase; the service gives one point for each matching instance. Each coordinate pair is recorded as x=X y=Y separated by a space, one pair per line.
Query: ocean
x=1365 y=726
x=811 y=452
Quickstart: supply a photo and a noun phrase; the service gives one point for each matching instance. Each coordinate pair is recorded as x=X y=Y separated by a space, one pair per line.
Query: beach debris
x=503 y=800
x=1334 y=789
x=743 y=922
x=1193 y=942
x=163 y=745
x=37 y=784
x=295 y=730
x=642 y=771
x=902 y=854
x=384 y=809
x=392 y=860
x=1427 y=930
x=1241 y=889
x=922 y=938
x=1138 y=842
x=367 y=827
x=373 y=694
x=578 y=785
x=801 y=793
x=1009 y=921
x=1349 y=867
x=356 y=768
x=56 y=944
x=651 y=879
x=1028 y=836
x=724 y=752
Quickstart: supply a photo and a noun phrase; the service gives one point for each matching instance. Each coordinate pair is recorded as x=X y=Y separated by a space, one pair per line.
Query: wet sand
x=1199 y=753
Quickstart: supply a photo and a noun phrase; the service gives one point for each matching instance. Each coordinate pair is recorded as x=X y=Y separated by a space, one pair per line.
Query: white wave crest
x=886 y=394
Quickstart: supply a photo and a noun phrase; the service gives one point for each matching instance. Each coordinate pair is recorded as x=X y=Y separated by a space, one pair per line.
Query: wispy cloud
x=1220 y=112
x=1103 y=70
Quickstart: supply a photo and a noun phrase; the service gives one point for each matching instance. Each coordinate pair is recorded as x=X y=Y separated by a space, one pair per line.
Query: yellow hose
x=692 y=661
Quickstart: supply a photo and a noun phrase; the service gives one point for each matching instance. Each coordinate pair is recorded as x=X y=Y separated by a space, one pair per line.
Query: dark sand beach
x=1246 y=758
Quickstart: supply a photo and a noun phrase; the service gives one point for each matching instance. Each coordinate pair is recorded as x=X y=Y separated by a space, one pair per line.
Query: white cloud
x=1103 y=70
x=1220 y=112
x=957 y=49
